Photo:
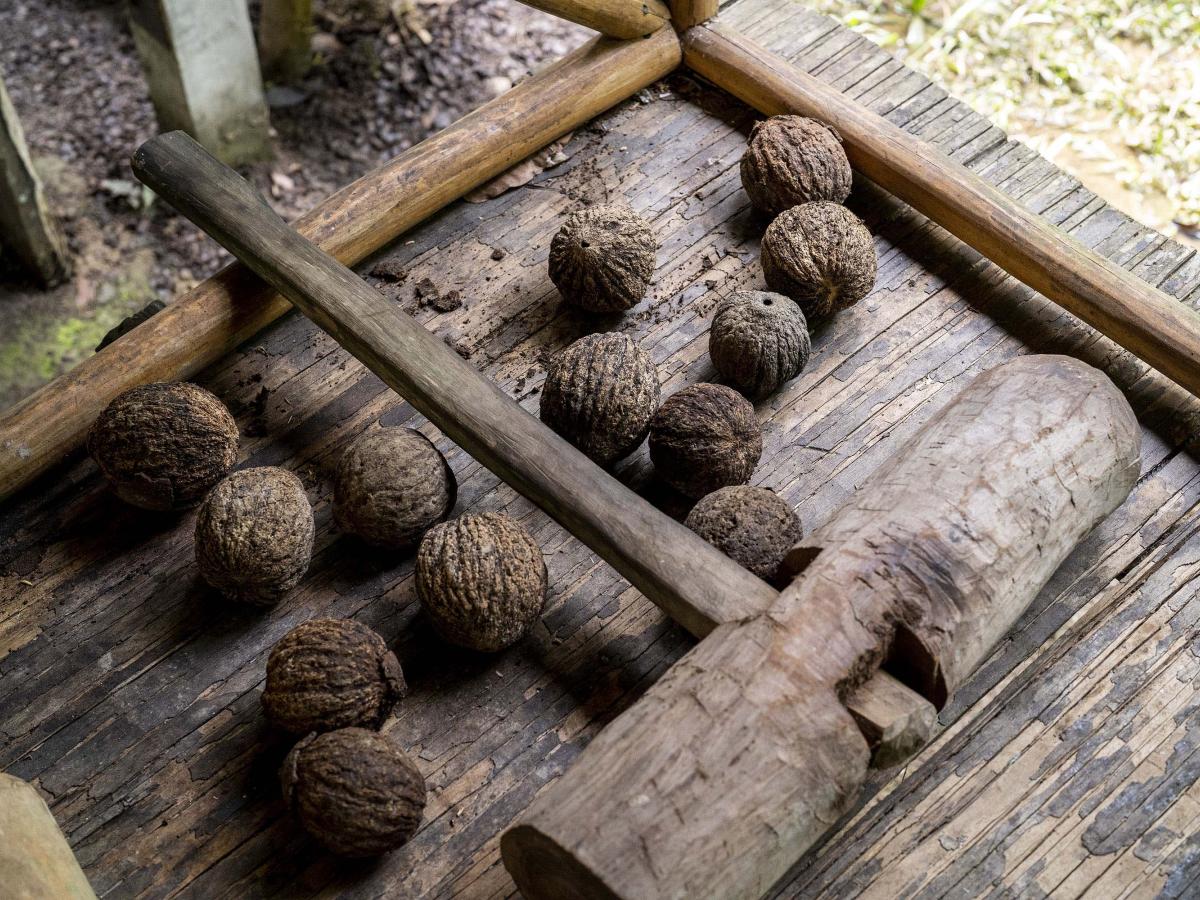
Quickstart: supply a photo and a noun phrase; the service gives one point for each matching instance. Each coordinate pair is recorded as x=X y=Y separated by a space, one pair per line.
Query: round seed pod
x=602 y=259
x=600 y=394
x=759 y=341
x=753 y=526
x=163 y=446
x=327 y=674
x=821 y=256
x=482 y=580
x=792 y=160
x=391 y=485
x=354 y=791
x=254 y=535
x=703 y=438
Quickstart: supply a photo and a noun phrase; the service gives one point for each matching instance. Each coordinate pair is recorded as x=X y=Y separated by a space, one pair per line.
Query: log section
x=625 y=19
x=222 y=312
x=740 y=757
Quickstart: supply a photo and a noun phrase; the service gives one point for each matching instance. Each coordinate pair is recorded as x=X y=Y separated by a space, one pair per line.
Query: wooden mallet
x=745 y=752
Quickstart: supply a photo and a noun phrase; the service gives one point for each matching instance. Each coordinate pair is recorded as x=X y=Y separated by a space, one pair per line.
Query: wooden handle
x=35 y=859
x=625 y=19
x=232 y=306
x=695 y=584
x=1162 y=331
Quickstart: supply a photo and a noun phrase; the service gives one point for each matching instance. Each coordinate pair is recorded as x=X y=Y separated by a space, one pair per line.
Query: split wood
x=744 y=753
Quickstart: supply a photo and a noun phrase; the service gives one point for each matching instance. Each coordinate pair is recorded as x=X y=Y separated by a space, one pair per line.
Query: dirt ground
x=382 y=83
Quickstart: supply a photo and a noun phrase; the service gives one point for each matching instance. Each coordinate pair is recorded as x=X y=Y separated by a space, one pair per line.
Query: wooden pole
x=285 y=30
x=36 y=862
x=1162 y=331
x=27 y=229
x=202 y=68
x=695 y=584
x=686 y=13
x=222 y=312
x=615 y=18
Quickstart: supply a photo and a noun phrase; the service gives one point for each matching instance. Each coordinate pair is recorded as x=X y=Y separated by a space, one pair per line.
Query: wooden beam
x=27 y=229
x=616 y=18
x=35 y=858
x=686 y=13
x=285 y=30
x=1159 y=329
x=229 y=308
x=202 y=68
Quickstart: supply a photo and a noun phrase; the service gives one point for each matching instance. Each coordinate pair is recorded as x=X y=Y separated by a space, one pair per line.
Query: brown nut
x=753 y=526
x=602 y=259
x=792 y=160
x=759 y=341
x=705 y=437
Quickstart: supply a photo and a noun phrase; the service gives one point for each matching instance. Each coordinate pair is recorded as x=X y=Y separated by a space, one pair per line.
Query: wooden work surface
x=129 y=693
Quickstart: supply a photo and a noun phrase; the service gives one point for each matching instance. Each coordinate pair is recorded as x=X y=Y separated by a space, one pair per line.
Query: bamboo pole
x=615 y=18
x=1118 y=304
x=229 y=308
x=686 y=13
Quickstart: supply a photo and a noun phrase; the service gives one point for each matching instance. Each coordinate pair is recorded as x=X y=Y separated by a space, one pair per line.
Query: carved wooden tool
x=694 y=583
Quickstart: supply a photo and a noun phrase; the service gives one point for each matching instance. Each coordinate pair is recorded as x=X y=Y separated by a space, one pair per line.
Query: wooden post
x=686 y=13
x=35 y=859
x=27 y=229
x=229 y=308
x=1157 y=328
x=202 y=67
x=625 y=19
x=285 y=39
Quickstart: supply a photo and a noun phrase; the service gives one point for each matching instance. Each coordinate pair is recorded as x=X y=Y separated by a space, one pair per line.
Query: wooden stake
x=686 y=13
x=222 y=312
x=615 y=18
x=285 y=39
x=35 y=859
x=202 y=68
x=1162 y=331
x=27 y=229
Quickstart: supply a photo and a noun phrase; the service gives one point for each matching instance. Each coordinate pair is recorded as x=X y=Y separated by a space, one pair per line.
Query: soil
x=383 y=81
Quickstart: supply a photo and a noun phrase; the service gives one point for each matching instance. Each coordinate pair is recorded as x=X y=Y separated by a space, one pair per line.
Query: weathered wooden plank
x=130 y=694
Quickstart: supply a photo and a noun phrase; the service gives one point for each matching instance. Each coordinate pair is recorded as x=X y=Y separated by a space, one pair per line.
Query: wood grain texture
x=130 y=695
x=739 y=758
x=1143 y=320
x=684 y=575
x=624 y=19
x=686 y=13
x=232 y=306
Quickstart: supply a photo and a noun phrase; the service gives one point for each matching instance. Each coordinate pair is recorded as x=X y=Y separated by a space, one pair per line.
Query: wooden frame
x=994 y=223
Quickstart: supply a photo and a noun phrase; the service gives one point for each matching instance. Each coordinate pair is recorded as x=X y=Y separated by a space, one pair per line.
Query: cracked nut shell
x=753 y=526
x=482 y=580
x=821 y=256
x=600 y=394
x=391 y=485
x=254 y=535
x=354 y=791
x=792 y=160
x=602 y=259
x=703 y=438
x=759 y=341
x=327 y=674
x=163 y=446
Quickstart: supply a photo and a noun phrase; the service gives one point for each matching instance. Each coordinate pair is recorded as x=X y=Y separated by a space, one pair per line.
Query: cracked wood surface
x=129 y=694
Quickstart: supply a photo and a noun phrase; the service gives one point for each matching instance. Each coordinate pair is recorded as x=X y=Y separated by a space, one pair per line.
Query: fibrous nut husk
x=391 y=485
x=821 y=256
x=602 y=259
x=600 y=394
x=482 y=580
x=751 y=525
x=163 y=446
x=759 y=341
x=793 y=160
x=703 y=438
x=254 y=535
x=354 y=791
x=327 y=674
